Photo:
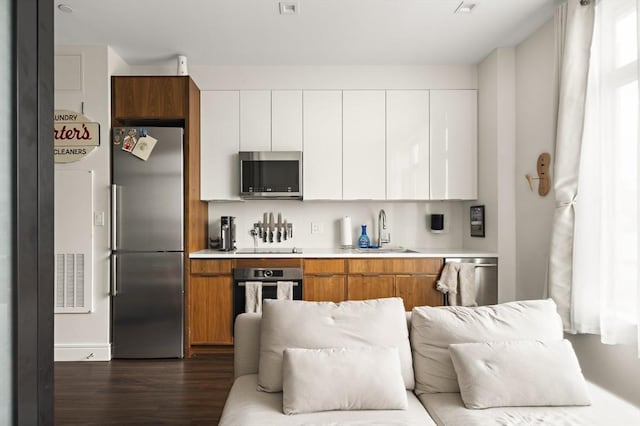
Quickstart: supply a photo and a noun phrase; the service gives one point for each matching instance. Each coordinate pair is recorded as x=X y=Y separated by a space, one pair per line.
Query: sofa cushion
x=518 y=373
x=315 y=325
x=367 y=378
x=447 y=409
x=247 y=406
x=433 y=329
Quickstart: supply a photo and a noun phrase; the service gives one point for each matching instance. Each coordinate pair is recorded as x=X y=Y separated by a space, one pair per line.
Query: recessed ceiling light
x=289 y=8
x=62 y=7
x=465 y=7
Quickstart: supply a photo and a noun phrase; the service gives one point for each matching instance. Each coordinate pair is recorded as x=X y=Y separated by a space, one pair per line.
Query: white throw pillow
x=519 y=373
x=315 y=325
x=433 y=329
x=367 y=378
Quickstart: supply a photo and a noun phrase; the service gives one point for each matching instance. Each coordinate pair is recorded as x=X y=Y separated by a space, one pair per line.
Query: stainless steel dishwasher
x=486 y=277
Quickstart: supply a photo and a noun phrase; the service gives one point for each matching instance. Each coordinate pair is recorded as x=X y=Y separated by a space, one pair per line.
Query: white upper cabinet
x=322 y=157
x=255 y=120
x=454 y=145
x=407 y=144
x=69 y=81
x=219 y=145
x=286 y=120
x=363 y=150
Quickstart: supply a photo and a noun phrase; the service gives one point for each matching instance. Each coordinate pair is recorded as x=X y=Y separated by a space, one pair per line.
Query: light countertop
x=263 y=252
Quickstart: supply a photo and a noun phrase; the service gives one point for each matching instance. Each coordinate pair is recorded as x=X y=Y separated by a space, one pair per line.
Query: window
x=605 y=273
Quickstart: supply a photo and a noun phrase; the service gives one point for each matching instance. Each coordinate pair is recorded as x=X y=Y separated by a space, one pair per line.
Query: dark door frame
x=32 y=222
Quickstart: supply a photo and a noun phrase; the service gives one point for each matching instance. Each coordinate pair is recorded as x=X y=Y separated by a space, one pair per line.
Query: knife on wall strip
x=265 y=230
x=279 y=227
x=271 y=227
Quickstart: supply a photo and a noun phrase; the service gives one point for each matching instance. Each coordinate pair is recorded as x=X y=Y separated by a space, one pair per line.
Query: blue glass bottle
x=363 y=240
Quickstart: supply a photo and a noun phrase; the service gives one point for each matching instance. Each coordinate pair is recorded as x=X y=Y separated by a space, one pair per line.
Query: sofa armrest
x=246 y=340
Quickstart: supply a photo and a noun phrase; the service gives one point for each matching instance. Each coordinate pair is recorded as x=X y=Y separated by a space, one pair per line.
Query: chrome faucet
x=383 y=237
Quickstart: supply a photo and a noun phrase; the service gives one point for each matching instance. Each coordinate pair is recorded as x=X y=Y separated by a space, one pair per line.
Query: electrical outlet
x=316 y=228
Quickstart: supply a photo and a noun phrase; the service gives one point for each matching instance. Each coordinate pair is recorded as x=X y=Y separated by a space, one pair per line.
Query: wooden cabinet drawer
x=325 y=289
x=426 y=265
x=287 y=262
x=418 y=291
x=324 y=266
x=210 y=266
x=362 y=287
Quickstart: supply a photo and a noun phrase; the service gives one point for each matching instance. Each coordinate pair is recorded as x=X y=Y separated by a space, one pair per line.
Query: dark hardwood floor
x=143 y=392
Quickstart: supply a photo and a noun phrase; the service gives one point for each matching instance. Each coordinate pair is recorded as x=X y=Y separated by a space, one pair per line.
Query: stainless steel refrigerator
x=147 y=258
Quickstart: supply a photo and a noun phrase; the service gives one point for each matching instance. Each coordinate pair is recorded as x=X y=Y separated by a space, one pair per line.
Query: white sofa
x=246 y=405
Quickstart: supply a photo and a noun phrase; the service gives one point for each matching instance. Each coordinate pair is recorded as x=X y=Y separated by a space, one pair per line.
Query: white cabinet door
x=69 y=81
x=286 y=120
x=454 y=145
x=363 y=145
x=322 y=157
x=255 y=120
x=219 y=145
x=407 y=144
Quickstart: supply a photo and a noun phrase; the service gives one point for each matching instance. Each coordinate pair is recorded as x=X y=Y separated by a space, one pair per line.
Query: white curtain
x=605 y=296
x=574 y=23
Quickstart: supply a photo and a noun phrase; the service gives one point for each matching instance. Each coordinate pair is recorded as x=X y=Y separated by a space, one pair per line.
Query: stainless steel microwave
x=271 y=174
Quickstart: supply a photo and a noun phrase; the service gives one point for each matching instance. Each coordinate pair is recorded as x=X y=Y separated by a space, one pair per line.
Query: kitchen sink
x=385 y=250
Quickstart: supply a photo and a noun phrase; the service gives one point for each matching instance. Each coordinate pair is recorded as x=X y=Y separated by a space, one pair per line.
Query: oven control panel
x=267 y=274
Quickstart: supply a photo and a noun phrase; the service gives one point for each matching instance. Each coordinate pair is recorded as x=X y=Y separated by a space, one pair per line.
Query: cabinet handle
x=325 y=275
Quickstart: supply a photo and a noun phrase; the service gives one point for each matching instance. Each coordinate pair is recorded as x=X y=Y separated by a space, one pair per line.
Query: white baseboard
x=82 y=352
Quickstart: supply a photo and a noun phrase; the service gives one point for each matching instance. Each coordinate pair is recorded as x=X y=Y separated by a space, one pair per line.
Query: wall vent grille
x=70 y=282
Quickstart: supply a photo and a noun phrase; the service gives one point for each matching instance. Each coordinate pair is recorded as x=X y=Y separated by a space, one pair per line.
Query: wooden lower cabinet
x=361 y=287
x=210 y=295
x=211 y=309
x=325 y=288
x=325 y=280
x=412 y=279
x=418 y=290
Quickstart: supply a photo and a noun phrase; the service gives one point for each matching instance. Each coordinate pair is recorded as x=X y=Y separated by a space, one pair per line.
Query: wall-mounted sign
x=74 y=136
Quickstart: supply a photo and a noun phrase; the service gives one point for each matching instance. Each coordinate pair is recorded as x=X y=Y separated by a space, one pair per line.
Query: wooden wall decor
x=544 y=179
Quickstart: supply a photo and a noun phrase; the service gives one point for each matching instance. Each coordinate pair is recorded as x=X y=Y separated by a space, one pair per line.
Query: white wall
x=535 y=104
x=324 y=77
x=86 y=336
x=615 y=367
x=496 y=166
x=408 y=222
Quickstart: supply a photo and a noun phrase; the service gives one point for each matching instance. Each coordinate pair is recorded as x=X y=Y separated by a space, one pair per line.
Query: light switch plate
x=98 y=218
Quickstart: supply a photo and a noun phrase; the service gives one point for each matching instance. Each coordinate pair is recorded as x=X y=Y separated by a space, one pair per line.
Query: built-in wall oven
x=269 y=278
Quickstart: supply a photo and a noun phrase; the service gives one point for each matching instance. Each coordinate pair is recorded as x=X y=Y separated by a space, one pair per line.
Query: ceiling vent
x=289 y=8
x=465 y=7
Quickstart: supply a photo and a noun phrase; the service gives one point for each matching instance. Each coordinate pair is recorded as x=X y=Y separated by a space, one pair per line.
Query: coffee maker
x=227 y=233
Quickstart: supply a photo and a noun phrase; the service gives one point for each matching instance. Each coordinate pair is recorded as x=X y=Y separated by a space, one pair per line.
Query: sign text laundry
x=74 y=136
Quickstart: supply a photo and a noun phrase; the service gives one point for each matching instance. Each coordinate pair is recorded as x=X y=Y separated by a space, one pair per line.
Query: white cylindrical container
x=182 y=65
x=346 y=233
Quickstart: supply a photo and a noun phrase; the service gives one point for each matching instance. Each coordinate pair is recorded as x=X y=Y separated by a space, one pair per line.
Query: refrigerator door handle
x=114 y=217
x=114 y=275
